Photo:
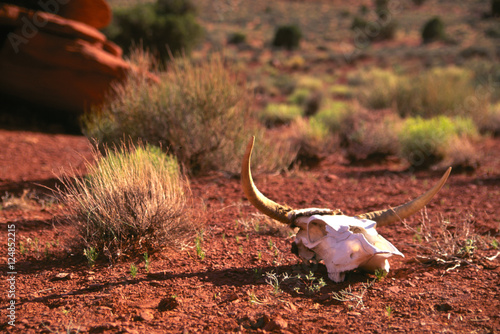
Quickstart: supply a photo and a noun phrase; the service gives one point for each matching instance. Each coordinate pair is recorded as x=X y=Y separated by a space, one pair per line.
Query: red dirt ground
x=57 y=292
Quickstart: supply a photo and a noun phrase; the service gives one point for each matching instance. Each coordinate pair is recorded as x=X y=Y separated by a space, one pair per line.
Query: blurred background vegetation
x=415 y=81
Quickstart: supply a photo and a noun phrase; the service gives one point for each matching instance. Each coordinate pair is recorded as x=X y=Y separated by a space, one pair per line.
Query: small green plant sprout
x=467 y=248
x=389 y=311
x=353 y=298
x=259 y=255
x=199 y=250
x=91 y=254
x=22 y=248
x=36 y=246
x=275 y=281
x=147 y=261
x=494 y=243
x=240 y=250
x=237 y=238
x=48 y=245
x=380 y=274
x=133 y=270
x=270 y=244
x=312 y=284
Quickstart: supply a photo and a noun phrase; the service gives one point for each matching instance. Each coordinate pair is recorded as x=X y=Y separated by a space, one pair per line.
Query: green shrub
x=310 y=101
x=333 y=116
x=433 y=30
x=161 y=27
x=379 y=30
x=495 y=8
x=237 y=38
x=341 y=91
x=132 y=200
x=424 y=142
x=279 y=114
x=287 y=36
x=198 y=112
x=299 y=96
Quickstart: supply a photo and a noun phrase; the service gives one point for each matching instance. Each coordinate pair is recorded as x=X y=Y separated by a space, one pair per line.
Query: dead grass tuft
x=452 y=245
x=134 y=199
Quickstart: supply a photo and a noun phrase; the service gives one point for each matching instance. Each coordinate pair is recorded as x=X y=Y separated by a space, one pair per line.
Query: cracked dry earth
x=57 y=292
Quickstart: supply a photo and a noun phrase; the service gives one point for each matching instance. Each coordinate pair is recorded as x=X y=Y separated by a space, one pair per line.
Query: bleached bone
x=343 y=243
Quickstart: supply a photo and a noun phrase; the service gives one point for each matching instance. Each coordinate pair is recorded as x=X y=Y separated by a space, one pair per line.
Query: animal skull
x=343 y=243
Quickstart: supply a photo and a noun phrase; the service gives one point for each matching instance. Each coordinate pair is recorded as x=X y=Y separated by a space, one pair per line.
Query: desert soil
x=57 y=292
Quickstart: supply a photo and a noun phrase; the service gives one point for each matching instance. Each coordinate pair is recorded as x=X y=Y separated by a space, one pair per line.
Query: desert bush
x=310 y=101
x=295 y=62
x=287 y=36
x=162 y=27
x=299 y=96
x=439 y=91
x=341 y=91
x=378 y=88
x=237 y=38
x=490 y=122
x=276 y=114
x=285 y=83
x=333 y=116
x=200 y=113
x=424 y=142
x=495 y=8
x=486 y=79
x=383 y=28
x=433 y=30
x=373 y=139
x=310 y=132
x=312 y=83
x=133 y=199
x=310 y=139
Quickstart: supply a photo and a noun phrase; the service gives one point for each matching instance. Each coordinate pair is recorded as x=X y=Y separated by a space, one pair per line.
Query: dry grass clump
x=377 y=88
x=373 y=139
x=490 y=122
x=439 y=91
x=133 y=200
x=453 y=245
x=200 y=112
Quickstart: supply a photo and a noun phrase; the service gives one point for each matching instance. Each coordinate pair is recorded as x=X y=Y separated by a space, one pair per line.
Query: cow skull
x=343 y=243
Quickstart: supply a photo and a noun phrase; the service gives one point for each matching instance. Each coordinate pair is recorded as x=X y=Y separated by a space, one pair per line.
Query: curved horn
x=262 y=203
x=389 y=216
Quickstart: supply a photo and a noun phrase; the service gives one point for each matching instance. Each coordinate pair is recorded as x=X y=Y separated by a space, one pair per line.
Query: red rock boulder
x=56 y=62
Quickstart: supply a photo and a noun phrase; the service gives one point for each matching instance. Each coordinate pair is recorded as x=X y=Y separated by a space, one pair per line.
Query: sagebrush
x=199 y=112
